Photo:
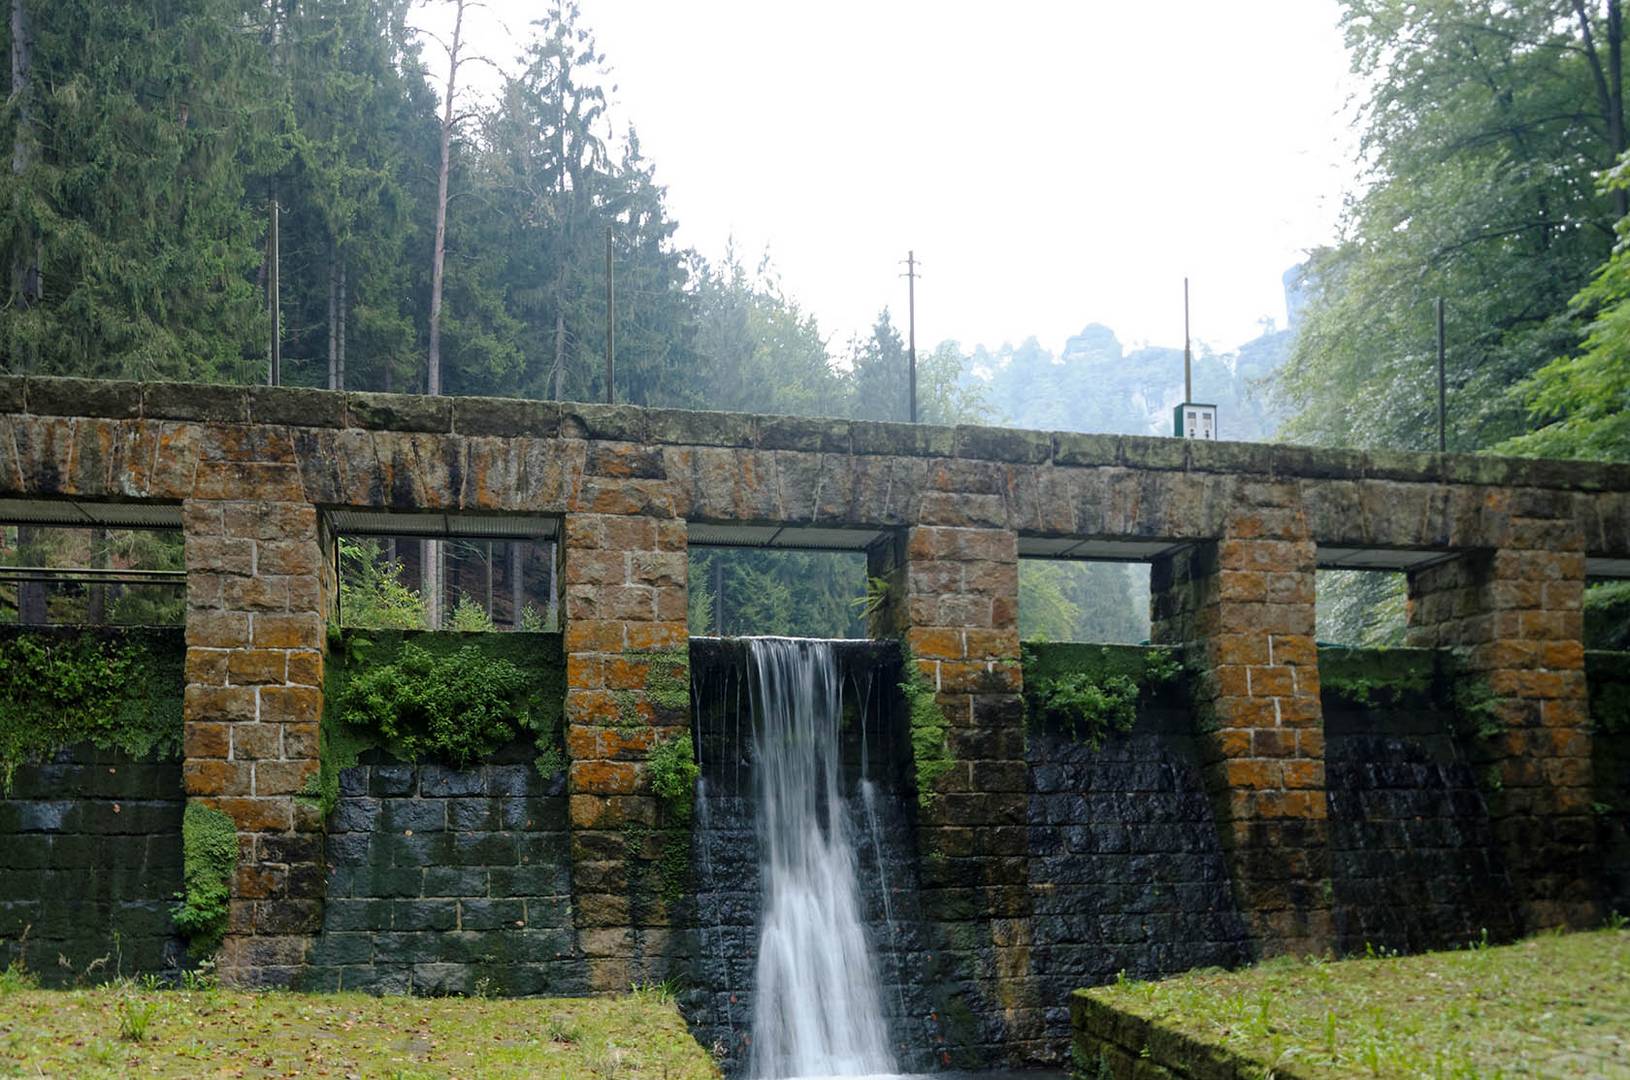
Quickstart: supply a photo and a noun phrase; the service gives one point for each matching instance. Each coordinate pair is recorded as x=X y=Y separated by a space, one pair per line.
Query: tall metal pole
x=911 y=293
x=1443 y=412
x=274 y=301
x=1188 y=356
x=611 y=327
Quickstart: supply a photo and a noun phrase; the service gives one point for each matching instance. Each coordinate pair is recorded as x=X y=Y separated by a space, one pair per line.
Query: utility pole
x=911 y=332
x=611 y=327
x=1443 y=412
x=274 y=301
x=1188 y=354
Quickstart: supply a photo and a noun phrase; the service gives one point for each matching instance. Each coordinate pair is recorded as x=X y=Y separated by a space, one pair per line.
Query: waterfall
x=818 y=1003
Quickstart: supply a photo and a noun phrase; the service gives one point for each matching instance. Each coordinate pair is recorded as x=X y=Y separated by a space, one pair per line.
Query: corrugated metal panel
x=1351 y=558
x=471 y=526
x=1607 y=568
x=74 y=513
x=1047 y=547
x=782 y=537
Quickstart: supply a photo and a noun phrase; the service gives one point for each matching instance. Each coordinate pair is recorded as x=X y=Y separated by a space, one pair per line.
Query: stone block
x=400 y=412
x=483 y=416
x=196 y=402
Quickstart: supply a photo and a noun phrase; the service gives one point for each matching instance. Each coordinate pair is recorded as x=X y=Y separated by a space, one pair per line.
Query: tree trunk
x=430 y=581
x=1615 y=75
x=97 y=610
x=333 y=318
x=517 y=595
x=340 y=366
x=560 y=351
x=554 y=586
x=26 y=287
x=31 y=596
x=438 y=258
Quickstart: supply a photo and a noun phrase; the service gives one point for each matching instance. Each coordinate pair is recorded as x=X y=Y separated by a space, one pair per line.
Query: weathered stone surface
x=400 y=412
x=195 y=401
x=296 y=407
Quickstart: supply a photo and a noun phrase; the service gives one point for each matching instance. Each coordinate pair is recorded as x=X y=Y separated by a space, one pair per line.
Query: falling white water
x=818 y=1004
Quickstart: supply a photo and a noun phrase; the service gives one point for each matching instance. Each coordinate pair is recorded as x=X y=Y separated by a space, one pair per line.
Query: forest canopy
x=430 y=238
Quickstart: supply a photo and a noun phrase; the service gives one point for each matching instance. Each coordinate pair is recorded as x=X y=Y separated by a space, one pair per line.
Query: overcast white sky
x=1052 y=163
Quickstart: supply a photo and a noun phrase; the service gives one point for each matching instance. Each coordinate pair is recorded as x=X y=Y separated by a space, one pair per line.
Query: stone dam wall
x=1314 y=799
x=445 y=880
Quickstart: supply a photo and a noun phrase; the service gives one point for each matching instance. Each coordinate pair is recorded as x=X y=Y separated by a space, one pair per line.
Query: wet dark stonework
x=932 y=1005
x=448 y=881
x=1414 y=865
x=1609 y=675
x=1126 y=867
x=90 y=865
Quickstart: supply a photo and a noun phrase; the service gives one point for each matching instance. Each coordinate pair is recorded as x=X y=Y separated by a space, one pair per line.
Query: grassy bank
x=1557 y=1006
x=219 y=1033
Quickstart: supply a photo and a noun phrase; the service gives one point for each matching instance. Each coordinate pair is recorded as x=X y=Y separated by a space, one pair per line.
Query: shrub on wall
x=1092 y=694
x=453 y=698
x=117 y=691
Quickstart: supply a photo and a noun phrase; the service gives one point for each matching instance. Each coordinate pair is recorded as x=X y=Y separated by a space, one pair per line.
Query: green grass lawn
x=221 y=1033
x=1556 y=1006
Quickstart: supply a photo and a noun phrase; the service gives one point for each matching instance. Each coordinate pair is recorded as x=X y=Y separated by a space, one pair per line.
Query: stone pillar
x=1242 y=608
x=1512 y=617
x=259 y=593
x=627 y=687
x=953 y=599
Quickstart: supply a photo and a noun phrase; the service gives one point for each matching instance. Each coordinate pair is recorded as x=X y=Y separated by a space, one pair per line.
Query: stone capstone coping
x=499 y=417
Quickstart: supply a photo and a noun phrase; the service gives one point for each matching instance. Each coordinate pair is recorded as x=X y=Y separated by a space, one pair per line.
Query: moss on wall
x=209 y=849
x=1383 y=678
x=115 y=689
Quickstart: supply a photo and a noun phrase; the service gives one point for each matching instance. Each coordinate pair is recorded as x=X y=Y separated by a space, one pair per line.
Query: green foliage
x=1369 y=678
x=116 y=691
x=1484 y=128
x=673 y=770
x=209 y=847
x=1608 y=677
x=1578 y=399
x=135 y=1017
x=446 y=697
x=930 y=746
x=1492 y=1005
x=1083 y=601
x=470 y=617
x=667 y=678
x=872 y=600
x=792 y=593
x=1476 y=709
x=456 y=708
x=1607 y=616
x=1361 y=608
x=1101 y=699
x=372 y=595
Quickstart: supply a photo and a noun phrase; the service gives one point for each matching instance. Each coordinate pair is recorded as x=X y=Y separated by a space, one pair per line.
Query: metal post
x=611 y=327
x=718 y=593
x=274 y=301
x=1443 y=421
x=1188 y=355
x=911 y=292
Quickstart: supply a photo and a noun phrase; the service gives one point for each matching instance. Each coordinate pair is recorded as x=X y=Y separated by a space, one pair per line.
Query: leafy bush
x=111 y=690
x=457 y=708
x=470 y=617
x=1094 y=703
x=372 y=594
x=674 y=771
x=209 y=848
